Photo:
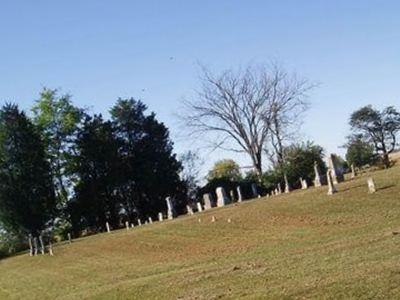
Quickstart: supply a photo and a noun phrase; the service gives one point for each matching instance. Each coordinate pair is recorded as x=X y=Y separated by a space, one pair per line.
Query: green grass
x=302 y=245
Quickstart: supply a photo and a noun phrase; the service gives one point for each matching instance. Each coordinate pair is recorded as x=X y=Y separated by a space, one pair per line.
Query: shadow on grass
x=386 y=187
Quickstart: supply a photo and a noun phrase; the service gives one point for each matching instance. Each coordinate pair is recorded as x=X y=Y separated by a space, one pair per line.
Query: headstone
x=189 y=210
x=30 y=245
x=279 y=188
x=232 y=194
x=239 y=192
x=222 y=199
x=371 y=186
x=353 y=171
x=139 y=222
x=108 y=227
x=69 y=238
x=170 y=206
x=41 y=244
x=331 y=185
x=287 y=186
x=254 y=190
x=213 y=219
x=160 y=217
x=35 y=246
x=127 y=225
x=207 y=201
x=51 y=249
x=336 y=174
x=150 y=220
x=132 y=225
x=303 y=183
x=199 y=208
x=317 y=180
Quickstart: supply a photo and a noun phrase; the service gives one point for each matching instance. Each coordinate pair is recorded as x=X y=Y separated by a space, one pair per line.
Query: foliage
x=359 y=152
x=299 y=162
x=190 y=161
x=151 y=169
x=98 y=168
x=57 y=119
x=27 y=199
x=226 y=169
x=377 y=127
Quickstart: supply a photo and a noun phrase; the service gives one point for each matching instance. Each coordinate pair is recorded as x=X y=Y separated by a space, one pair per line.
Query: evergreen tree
x=27 y=199
x=151 y=168
x=98 y=171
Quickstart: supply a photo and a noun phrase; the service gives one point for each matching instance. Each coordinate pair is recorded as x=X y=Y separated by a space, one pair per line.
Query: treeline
x=63 y=170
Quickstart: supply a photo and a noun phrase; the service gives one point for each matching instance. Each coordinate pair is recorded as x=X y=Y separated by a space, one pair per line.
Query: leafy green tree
x=225 y=168
x=58 y=120
x=299 y=162
x=359 y=152
x=151 y=168
x=97 y=167
x=27 y=199
x=380 y=128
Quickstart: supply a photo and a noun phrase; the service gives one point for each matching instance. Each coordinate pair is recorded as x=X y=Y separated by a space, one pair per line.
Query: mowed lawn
x=302 y=245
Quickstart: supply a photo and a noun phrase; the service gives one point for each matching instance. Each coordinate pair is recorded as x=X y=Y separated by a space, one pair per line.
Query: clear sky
x=101 y=50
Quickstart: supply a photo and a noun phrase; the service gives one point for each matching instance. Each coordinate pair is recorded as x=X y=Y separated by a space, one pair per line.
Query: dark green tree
x=359 y=152
x=97 y=167
x=150 y=166
x=379 y=128
x=27 y=198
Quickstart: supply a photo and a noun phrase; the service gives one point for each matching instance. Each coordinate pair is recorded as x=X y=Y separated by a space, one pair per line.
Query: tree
x=377 y=127
x=190 y=161
x=151 y=168
x=225 y=168
x=27 y=199
x=241 y=106
x=359 y=152
x=299 y=162
x=58 y=122
x=98 y=168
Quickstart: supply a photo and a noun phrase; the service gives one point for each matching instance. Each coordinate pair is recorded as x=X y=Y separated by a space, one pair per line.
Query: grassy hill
x=301 y=245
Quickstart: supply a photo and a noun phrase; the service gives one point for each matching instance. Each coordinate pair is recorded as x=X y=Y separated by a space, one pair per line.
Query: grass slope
x=301 y=245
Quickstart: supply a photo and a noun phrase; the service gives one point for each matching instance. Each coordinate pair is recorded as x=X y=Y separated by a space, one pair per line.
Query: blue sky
x=101 y=50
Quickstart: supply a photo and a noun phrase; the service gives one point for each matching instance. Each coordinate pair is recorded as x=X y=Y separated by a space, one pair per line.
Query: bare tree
x=288 y=103
x=241 y=106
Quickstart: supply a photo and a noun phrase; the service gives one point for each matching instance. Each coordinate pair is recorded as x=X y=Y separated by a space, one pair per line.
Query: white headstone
x=222 y=199
x=139 y=222
x=279 y=188
x=213 y=219
x=132 y=226
x=127 y=225
x=331 y=185
x=108 y=227
x=160 y=216
x=170 y=206
x=30 y=245
x=41 y=244
x=317 y=179
x=371 y=186
x=69 y=238
x=189 y=210
x=353 y=171
x=303 y=183
x=287 y=186
x=239 y=192
x=199 y=208
x=207 y=201
x=150 y=220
